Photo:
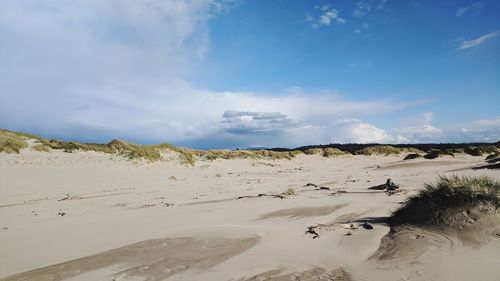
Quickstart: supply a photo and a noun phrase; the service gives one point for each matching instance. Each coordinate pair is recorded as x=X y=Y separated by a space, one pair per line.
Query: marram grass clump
x=433 y=154
x=40 y=147
x=438 y=202
x=412 y=156
x=289 y=192
x=481 y=150
x=386 y=150
x=129 y=150
x=312 y=151
x=333 y=152
x=244 y=154
x=14 y=142
x=492 y=156
x=11 y=143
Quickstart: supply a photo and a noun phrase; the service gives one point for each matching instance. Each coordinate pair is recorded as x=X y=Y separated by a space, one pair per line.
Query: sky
x=248 y=73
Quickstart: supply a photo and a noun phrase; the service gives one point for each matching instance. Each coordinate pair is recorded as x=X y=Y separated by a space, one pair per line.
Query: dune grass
x=412 y=156
x=333 y=152
x=14 y=142
x=289 y=192
x=11 y=142
x=244 y=154
x=492 y=156
x=386 y=150
x=40 y=147
x=186 y=155
x=130 y=150
x=481 y=150
x=433 y=154
x=312 y=151
x=435 y=202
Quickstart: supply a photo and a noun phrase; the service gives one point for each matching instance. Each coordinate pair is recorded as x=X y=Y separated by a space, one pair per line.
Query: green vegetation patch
x=333 y=152
x=312 y=151
x=481 y=150
x=386 y=150
x=412 y=156
x=41 y=147
x=433 y=154
x=11 y=142
x=433 y=204
x=245 y=154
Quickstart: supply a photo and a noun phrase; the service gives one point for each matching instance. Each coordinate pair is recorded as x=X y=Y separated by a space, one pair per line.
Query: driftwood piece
x=312 y=230
x=389 y=185
x=262 y=195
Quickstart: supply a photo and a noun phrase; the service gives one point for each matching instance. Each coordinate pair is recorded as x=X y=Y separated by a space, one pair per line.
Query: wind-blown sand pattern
x=296 y=213
x=155 y=259
x=94 y=216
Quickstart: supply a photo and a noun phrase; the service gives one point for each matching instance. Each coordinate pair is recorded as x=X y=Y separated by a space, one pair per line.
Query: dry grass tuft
x=412 y=156
x=492 y=157
x=333 y=152
x=386 y=150
x=434 y=204
x=41 y=147
x=312 y=151
x=433 y=154
x=244 y=154
x=11 y=142
x=289 y=192
x=481 y=150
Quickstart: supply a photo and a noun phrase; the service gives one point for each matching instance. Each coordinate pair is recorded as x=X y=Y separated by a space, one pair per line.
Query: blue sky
x=222 y=73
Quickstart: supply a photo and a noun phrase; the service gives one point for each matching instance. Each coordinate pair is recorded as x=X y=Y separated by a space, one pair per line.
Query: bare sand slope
x=91 y=216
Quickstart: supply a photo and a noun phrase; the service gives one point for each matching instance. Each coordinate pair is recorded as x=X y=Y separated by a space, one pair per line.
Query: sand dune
x=92 y=216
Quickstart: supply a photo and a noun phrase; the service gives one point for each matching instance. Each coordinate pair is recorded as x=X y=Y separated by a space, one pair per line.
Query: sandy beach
x=240 y=140
x=95 y=216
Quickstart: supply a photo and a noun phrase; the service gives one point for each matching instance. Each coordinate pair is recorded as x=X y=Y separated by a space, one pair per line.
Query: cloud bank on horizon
x=228 y=73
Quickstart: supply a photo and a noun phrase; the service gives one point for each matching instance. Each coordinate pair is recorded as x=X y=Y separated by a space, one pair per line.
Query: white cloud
x=466 y=44
x=362 y=8
x=364 y=133
x=362 y=29
x=484 y=124
x=420 y=130
x=356 y=131
x=484 y=130
x=420 y=134
x=365 y=7
x=472 y=7
x=250 y=123
x=327 y=16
